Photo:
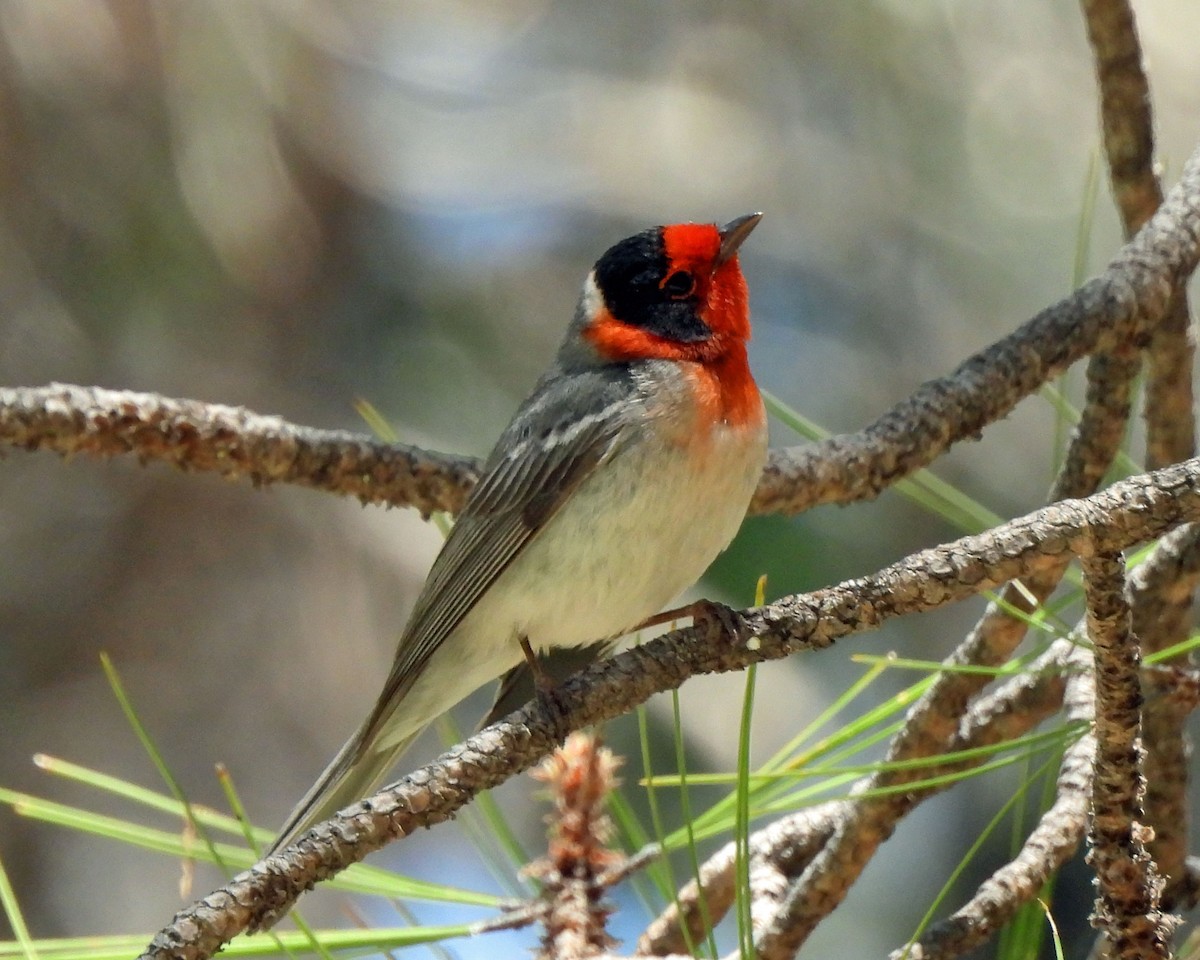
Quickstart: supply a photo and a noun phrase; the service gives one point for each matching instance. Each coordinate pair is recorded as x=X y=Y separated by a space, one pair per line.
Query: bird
x=619 y=479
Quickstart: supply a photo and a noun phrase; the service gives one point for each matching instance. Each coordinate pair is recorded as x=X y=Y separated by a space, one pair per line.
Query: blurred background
x=289 y=205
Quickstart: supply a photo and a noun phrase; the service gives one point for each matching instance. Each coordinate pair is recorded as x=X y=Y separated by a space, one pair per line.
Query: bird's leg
x=544 y=687
x=700 y=611
x=542 y=681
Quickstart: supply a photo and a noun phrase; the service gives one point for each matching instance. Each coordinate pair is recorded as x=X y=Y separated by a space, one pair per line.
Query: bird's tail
x=353 y=774
x=362 y=765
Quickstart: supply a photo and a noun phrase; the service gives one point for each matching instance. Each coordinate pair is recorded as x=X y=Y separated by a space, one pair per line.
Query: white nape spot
x=592 y=301
x=753 y=643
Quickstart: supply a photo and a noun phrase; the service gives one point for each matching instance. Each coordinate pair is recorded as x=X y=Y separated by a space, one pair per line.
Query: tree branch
x=1128 y=512
x=1125 y=113
x=1175 y=557
x=1127 y=909
x=1162 y=590
x=1049 y=845
x=787 y=846
x=1135 y=290
x=232 y=442
x=932 y=722
x=1128 y=127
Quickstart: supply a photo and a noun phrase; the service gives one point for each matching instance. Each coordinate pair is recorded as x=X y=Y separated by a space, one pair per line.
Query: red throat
x=718 y=370
x=726 y=391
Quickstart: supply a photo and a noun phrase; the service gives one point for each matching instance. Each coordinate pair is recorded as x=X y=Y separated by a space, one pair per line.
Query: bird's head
x=669 y=293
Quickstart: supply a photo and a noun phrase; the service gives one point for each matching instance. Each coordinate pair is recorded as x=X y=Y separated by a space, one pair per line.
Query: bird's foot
x=723 y=615
x=700 y=612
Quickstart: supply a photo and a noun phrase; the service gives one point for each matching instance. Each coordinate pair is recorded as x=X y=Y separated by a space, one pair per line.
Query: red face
x=672 y=292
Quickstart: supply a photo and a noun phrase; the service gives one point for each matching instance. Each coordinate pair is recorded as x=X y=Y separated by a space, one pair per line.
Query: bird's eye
x=679 y=284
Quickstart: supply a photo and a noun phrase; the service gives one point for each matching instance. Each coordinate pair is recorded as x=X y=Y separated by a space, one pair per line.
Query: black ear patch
x=631 y=277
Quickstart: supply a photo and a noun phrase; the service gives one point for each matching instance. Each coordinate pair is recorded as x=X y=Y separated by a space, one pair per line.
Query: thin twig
x=1098 y=436
x=581 y=774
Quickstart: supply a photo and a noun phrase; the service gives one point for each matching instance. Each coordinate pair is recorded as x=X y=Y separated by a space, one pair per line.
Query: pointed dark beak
x=733 y=233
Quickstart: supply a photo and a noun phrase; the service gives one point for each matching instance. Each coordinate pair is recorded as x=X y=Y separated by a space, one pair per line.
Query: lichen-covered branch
x=1128 y=127
x=1173 y=565
x=1134 y=292
x=232 y=442
x=1125 y=113
x=1127 y=300
x=932 y=721
x=1162 y=590
x=784 y=846
x=1049 y=845
x=783 y=849
x=879 y=802
x=1128 y=512
x=827 y=879
x=1127 y=909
